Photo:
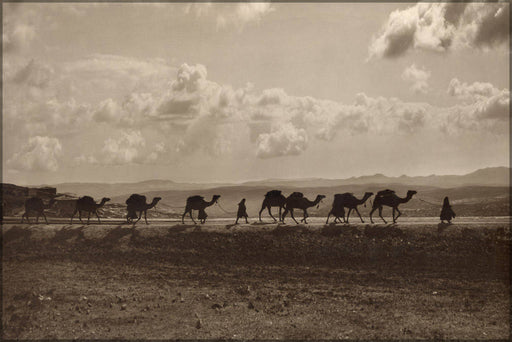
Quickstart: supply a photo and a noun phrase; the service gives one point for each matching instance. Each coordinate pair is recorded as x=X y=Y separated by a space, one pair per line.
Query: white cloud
x=417 y=77
x=193 y=114
x=124 y=149
x=470 y=91
x=40 y=153
x=442 y=26
x=284 y=140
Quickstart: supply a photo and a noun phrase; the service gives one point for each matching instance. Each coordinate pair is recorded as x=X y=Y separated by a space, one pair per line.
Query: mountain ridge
x=492 y=176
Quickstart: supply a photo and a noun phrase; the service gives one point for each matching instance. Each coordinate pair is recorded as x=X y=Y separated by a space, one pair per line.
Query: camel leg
x=190 y=212
x=380 y=214
x=88 y=216
x=74 y=213
x=97 y=216
x=37 y=218
x=357 y=211
x=145 y=216
x=45 y=218
x=291 y=214
x=399 y=213
x=305 y=217
x=348 y=214
x=80 y=216
x=284 y=214
x=270 y=213
x=262 y=208
x=23 y=216
x=280 y=214
x=327 y=221
x=236 y=222
x=183 y=217
x=371 y=212
x=246 y=219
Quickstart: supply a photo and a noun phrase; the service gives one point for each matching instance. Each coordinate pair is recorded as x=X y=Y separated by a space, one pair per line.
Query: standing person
x=447 y=213
x=202 y=216
x=242 y=211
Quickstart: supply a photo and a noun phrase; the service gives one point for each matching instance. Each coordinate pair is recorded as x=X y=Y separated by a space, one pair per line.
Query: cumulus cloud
x=124 y=149
x=417 y=77
x=485 y=100
x=468 y=91
x=284 y=140
x=440 y=27
x=40 y=153
x=194 y=114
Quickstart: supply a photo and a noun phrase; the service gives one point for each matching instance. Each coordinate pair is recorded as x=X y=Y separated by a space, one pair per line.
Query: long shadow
x=67 y=233
x=117 y=234
x=15 y=233
x=289 y=229
x=177 y=228
x=380 y=232
x=258 y=223
x=441 y=227
x=334 y=230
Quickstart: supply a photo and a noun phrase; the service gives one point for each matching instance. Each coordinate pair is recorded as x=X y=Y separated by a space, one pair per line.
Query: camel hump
x=136 y=199
x=195 y=198
x=297 y=194
x=386 y=192
x=339 y=195
x=273 y=193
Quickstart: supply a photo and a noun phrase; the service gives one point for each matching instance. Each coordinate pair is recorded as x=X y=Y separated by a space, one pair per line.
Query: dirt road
x=167 y=280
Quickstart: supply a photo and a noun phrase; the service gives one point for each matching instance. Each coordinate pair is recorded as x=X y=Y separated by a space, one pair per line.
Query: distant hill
x=98 y=190
x=495 y=176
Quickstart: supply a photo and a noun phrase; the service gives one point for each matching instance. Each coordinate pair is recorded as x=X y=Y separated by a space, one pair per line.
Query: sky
x=206 y=92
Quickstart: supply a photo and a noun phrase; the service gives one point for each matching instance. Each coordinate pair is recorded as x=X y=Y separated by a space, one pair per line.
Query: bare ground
x=166 y=281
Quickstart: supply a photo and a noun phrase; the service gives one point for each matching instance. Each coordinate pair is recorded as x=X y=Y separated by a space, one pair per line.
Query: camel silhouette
x=138 y=203
x=273 y=198
x=36 y=205
x=347 y=200
x=87 y=204
x=297 y=201
x=198 y=203
x=389 y=198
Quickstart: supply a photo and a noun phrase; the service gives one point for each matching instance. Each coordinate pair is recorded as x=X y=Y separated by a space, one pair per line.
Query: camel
x=138 y=203
x=273 y=198
x=35 y=204
x=389 y=198
x=297 y=201
x=347 y=200
x=198 y=203
x=87 y=203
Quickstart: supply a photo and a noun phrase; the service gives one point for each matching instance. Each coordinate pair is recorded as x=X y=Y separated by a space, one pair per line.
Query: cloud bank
x=191 y=115
x=440 y=27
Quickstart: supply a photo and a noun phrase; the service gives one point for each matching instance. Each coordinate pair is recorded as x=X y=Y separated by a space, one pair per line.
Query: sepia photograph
x=255 y=170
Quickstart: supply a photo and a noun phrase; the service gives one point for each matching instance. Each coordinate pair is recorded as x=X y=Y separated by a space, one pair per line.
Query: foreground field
x=168 y=281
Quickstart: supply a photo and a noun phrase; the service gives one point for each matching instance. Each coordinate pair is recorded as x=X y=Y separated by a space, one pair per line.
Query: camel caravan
x=136 y=205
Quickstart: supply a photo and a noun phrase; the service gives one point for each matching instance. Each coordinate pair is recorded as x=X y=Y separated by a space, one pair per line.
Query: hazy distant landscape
x=485 y=192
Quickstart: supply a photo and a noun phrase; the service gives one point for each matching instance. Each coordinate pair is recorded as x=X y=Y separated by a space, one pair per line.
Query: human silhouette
x=202 y=215
x=242 y=211
x=447 y=212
